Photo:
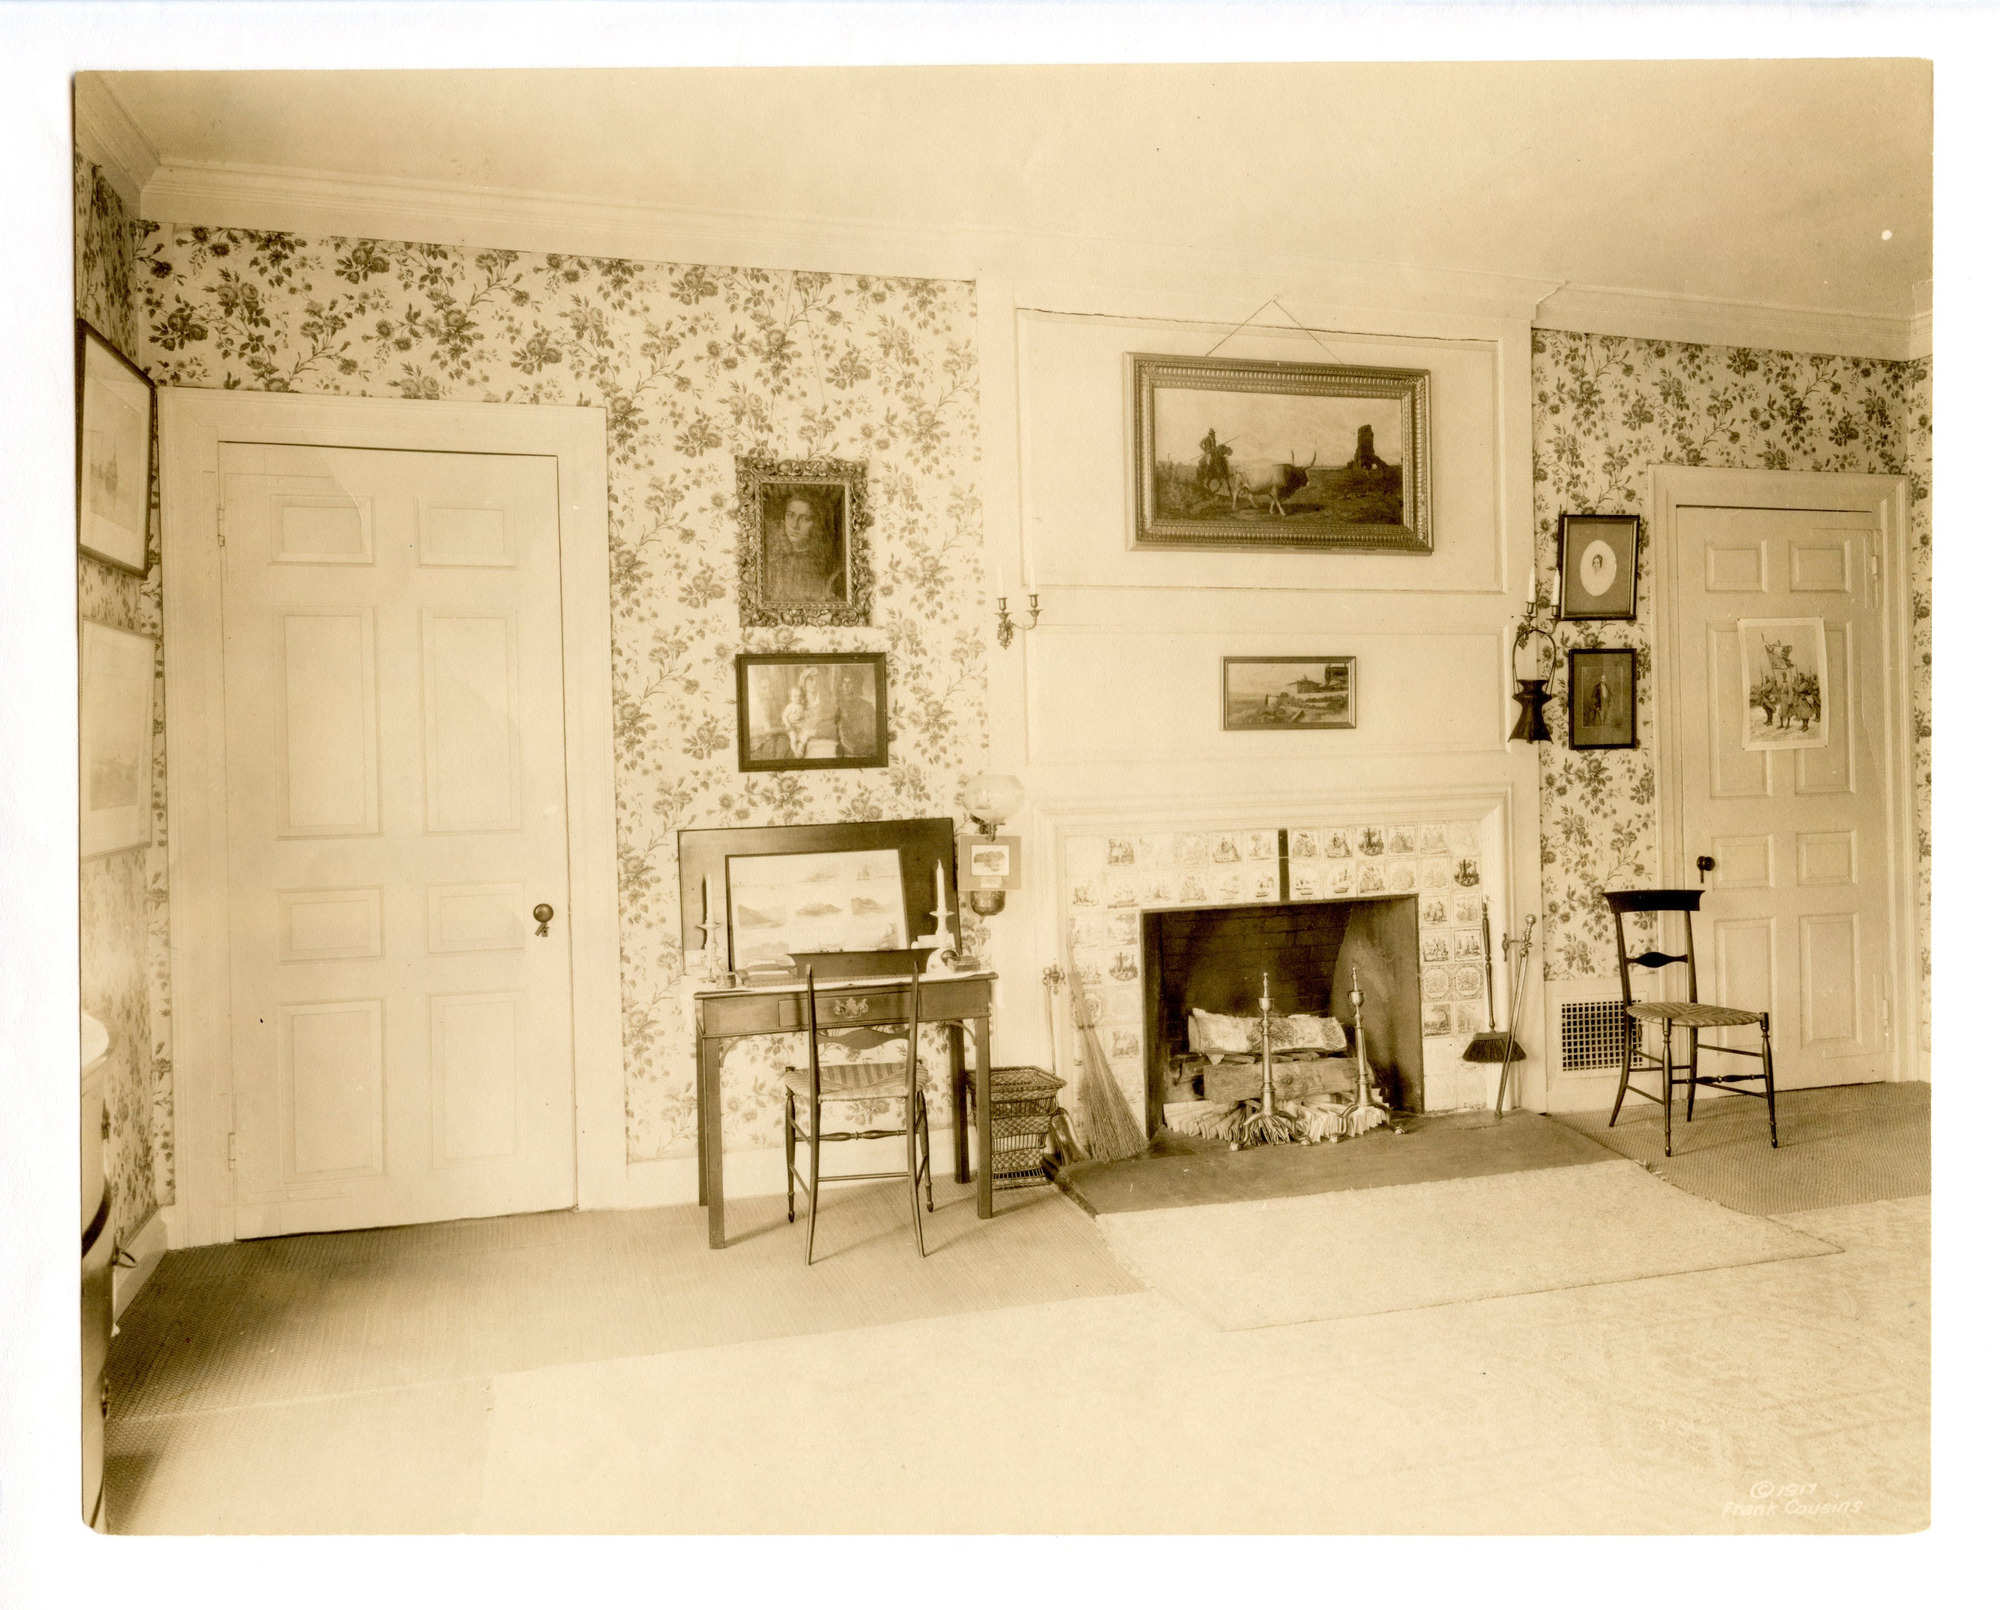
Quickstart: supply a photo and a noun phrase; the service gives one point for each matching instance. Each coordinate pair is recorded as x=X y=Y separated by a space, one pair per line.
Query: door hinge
x=232 y=1148
x=221 y=526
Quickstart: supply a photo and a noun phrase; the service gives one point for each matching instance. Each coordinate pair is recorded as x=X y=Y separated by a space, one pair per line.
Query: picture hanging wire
x=1272 y=301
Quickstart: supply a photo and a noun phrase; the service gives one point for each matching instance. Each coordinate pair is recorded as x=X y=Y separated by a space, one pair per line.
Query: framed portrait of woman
x=802 y=546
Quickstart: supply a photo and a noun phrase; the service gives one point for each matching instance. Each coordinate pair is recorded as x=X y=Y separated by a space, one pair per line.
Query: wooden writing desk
x=955 y=1001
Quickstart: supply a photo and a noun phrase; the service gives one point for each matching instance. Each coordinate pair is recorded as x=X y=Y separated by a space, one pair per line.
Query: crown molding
x=246 y=197
x=107 y=136
x=1655 y=316
x=228 y=195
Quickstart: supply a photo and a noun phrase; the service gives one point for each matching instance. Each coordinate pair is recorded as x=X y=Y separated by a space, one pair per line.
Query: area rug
x=1836 y=1146
x=1185 y=1171
x=1243 y=1265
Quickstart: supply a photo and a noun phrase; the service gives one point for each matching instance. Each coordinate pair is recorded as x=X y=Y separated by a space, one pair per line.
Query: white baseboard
x=146 y=1246
x=671 y=1182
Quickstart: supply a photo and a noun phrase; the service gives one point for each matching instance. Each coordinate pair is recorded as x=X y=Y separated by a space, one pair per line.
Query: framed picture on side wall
x=811 y=712
x=802 y=547
x=114 y=738
x=114 y=452
x=1603 y=698
x=1597 y=563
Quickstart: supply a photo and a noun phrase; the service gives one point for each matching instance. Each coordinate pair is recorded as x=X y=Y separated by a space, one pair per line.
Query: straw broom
x=1104 y=1124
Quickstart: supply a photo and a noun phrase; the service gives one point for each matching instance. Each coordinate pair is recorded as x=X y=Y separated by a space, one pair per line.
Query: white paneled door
x=1797 y=920
x=392 y=677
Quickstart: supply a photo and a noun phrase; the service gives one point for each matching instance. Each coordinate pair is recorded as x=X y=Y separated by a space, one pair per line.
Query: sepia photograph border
x=746 y=663
x=754 y=476
x=1410 y=388
x=99 y=538
x=1621 y=532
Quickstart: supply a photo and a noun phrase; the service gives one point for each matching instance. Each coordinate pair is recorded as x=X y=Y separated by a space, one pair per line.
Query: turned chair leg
x=1667 y=1074
x=791 y=1158
x=812 y=1187
x=1624 y=1072
x=1770 y=1083
x=1694 y=1067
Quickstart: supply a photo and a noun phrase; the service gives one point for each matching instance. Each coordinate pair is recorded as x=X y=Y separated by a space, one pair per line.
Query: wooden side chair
x=809 y=1089
x=1671 y=1015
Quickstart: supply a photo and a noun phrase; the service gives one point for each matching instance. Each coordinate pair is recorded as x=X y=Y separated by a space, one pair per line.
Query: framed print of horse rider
x=1784 y=683
x=1597 y=564
x=1248 y=453
x=802 y=544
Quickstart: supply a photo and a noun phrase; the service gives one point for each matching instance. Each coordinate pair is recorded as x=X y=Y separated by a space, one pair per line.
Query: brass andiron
x=1268 y=1126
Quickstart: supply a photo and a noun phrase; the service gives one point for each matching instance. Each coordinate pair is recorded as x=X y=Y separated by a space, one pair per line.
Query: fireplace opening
x=1313 y=954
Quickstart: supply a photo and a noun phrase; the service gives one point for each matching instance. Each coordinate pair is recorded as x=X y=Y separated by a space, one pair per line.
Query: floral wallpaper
x=122 y=898
x=693 y=365
x=1606 y=408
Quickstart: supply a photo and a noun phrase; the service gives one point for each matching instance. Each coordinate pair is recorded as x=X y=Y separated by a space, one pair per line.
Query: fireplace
x=1313 y=953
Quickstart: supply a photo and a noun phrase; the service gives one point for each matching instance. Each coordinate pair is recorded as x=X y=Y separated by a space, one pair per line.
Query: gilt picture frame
x=1289 y=692
x=802 y=555
x=811 y=712
x=115 y=405
x=1239 y=453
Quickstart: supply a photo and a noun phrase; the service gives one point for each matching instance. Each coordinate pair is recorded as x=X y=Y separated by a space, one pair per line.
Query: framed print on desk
x=1597 y=562
x=114 y=452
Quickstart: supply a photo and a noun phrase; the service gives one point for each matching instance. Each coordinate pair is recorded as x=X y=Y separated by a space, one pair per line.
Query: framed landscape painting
x=1242 y=453
x=1287 y=694
x=114 y=738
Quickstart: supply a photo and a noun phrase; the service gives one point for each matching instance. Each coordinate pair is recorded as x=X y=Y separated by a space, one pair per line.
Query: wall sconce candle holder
x=1008 y=626
x=1531 y=693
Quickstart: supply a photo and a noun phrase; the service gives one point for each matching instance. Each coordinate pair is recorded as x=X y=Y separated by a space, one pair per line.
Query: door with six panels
x=392 y=668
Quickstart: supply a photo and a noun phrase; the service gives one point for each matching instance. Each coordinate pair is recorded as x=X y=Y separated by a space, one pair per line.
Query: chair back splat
x=1671 y=1014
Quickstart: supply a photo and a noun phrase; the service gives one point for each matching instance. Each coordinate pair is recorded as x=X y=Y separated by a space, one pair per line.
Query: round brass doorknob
x=544 y=915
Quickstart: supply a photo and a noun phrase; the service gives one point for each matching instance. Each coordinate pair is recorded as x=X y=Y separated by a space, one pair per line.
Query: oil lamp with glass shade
x=990 y=798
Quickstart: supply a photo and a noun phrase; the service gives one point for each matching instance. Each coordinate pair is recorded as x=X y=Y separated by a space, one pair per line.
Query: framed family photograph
x=1597 y=564
x=114 y=738
x=802 y=546
x=1603 y=698
x=1265 y=693
x=114 y=452
x=811 y=712
x=1242 y=453
x=1784 y=683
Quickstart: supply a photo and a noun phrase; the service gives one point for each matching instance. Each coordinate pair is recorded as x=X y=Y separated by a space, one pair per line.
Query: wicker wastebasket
x=1024 y=1100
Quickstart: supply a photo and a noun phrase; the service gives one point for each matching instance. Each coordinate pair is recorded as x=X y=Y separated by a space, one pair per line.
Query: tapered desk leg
x=983 y=1100
x=708 y=1121
x=961 y=1161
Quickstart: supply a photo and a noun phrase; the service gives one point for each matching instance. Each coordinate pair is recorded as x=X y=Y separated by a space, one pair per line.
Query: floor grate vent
x=1593 y=1034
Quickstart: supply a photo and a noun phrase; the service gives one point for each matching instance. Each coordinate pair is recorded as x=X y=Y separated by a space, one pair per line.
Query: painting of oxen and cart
x=1265 y=693
x=1241 y=453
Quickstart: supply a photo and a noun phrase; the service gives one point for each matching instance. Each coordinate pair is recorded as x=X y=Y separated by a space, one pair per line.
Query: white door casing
x=1811 y=904
x=446 y=1008
x=392 y=684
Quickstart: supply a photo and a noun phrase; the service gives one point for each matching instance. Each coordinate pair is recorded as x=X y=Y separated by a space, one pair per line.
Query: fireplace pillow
x=1216 y=1035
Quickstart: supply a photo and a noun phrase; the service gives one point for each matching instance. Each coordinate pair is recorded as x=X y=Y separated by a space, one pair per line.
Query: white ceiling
x=1767 y=182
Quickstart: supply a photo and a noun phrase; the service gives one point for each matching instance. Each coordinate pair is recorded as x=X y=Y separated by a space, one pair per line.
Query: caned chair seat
x=850 y=1081
x=1693 y=1013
